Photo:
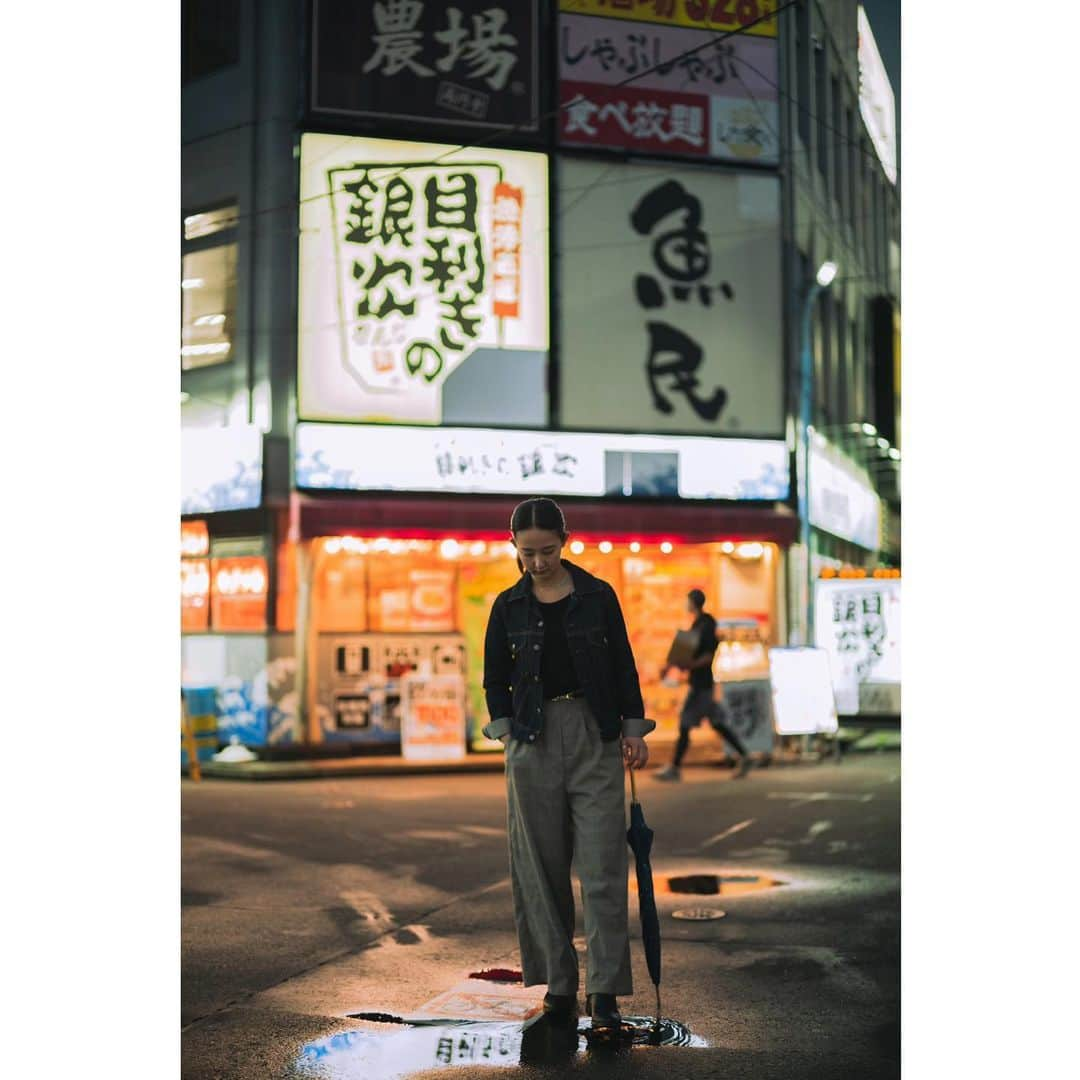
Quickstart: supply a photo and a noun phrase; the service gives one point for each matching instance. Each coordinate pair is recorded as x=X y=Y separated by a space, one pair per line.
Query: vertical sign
x=857 y=624
x=671 y=300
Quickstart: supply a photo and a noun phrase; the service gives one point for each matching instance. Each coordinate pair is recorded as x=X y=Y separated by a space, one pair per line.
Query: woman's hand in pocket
x=635 y=752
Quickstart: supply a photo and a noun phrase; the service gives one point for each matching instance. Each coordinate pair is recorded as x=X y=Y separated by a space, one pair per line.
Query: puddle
x=718 y=884
x=407 y=1046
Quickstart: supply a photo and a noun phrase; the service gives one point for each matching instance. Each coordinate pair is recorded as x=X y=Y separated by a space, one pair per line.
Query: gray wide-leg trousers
x=565 y=803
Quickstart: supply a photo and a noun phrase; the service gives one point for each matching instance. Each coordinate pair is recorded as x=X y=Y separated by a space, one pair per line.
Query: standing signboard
x=432 y=717
x=472 y=63
x=671 y=310
x=667 y=89
x=857 y=624
x=423 y=283
x=802 y=692
x=750 y=713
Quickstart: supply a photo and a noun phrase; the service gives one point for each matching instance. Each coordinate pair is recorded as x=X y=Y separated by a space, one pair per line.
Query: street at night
x=307 y=901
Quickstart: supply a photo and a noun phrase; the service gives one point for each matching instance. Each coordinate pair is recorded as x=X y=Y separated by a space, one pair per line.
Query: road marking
x=727 y=832
x=819 y=796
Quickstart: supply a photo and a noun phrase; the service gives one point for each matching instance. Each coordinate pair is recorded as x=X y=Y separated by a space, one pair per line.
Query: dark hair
x=539 y=513
x=697 y=598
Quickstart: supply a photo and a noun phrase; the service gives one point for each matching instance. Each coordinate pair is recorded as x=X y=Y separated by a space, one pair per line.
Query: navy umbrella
x=640 y=837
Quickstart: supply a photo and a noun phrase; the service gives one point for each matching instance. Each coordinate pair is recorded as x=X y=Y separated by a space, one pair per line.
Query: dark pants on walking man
x=701 y=705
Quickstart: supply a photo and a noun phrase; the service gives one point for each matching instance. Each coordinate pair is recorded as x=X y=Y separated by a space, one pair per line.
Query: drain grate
x=698 y=914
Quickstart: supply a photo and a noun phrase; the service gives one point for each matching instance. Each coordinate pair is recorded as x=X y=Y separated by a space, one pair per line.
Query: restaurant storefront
x=388 y=599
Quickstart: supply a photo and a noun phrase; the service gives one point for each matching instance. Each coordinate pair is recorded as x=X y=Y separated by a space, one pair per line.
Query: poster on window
x=857 y=624
x=423 y=283
x=671 y=313
x=668 y=90
x=472 y=63
x=432 y=717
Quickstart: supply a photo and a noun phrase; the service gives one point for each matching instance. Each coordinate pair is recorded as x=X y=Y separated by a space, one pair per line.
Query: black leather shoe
x=604 y=1012
x=560 y=1004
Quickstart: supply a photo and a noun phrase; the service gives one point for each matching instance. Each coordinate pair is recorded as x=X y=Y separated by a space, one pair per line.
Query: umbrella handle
x=633 y=785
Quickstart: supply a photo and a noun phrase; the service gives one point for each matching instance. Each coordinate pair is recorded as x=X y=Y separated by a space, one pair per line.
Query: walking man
x=699 y=702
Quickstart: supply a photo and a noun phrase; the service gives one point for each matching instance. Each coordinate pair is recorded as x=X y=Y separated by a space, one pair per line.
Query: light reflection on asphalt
x=405 y=1047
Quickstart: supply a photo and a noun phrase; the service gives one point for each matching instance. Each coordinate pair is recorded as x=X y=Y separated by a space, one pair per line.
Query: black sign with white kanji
x=470 y=63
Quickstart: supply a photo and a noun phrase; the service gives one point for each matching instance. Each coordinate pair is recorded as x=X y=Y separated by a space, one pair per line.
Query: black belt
x=573 y=695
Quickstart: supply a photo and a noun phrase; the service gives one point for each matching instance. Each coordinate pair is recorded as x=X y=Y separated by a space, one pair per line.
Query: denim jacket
x=603 y=660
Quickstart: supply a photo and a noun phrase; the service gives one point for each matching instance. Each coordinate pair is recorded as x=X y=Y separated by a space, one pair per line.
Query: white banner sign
x=670 y=300
x=423 y=278
x=486 y=461
x=803 y=702
x=841 y=503
x=877 y=103
x=857 y=623
x=220 y=468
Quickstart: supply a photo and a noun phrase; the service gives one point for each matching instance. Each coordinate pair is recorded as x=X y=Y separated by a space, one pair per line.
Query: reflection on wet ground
x=404 y=1047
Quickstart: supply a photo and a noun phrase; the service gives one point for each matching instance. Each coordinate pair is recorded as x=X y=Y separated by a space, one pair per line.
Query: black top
x=702 y=678
x=557 y=665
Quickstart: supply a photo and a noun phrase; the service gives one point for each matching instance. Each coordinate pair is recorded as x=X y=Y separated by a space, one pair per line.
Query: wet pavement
x=341 y=929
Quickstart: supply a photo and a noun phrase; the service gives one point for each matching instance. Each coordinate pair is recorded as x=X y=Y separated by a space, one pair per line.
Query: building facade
x=437 y=258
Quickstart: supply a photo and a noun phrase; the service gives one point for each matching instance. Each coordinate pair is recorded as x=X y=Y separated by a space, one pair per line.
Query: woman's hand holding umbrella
x=635 y=752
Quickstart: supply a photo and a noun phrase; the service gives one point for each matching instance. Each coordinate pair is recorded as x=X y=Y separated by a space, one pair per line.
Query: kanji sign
x=415 y=257
x=470 y=63
x=857 y=622
x=685 y=267
x=668 y=89
x=346 y=457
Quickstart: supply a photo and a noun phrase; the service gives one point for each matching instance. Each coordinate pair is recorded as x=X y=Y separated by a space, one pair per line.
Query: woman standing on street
x=563 y=696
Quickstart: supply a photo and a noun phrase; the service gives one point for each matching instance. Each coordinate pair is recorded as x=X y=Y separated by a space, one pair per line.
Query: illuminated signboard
x=477 y=460
x=857 y=624
x=220 y=468
x=423 y=283
x=877 y=103
x=702 y=14
x=841 y=502
x=690 y=92
x=194 y=539
x=194 y=594
x=472 y=63
x=803 y=702
x=238 y=593
x=670 y=300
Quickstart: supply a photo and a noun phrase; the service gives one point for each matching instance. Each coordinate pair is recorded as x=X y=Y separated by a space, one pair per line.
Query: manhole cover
x=698 y=914
x=719 y=884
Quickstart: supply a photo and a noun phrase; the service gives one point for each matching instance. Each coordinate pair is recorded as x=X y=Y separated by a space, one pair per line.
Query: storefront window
x=385 y=607
x=208 y=306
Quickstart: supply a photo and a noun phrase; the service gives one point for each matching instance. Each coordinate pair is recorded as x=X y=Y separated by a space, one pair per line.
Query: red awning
x=478 y=518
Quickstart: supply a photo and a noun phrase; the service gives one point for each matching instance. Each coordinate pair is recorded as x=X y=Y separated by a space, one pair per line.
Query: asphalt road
x=309 y=900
